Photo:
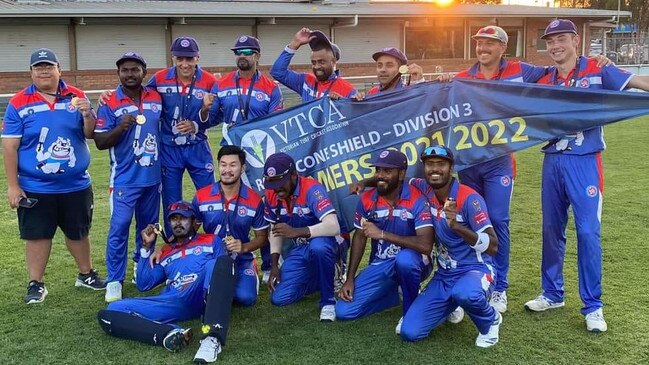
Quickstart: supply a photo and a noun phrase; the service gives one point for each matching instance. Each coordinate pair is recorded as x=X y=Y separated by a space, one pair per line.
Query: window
x=540 y=43
x=434 y=42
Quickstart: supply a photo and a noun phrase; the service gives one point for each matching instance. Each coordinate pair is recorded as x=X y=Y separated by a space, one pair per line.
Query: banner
x=334 y=141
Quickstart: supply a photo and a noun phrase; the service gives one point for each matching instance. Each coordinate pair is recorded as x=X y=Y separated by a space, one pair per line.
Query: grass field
x=64 y=329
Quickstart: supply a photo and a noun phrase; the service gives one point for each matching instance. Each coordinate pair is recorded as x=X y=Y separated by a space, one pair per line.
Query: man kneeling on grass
x=190 y=265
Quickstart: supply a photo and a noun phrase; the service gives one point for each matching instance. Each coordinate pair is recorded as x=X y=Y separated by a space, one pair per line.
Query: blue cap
x=321 y=39
x=184 y=47
x=247 y=42
x=181 y=207
x=390 y=159
x=277 y=170
x=391 y=51
x=559 y=26
x=131 y=56
x=43 y=55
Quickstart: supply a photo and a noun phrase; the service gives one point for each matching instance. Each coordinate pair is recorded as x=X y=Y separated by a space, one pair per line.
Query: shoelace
x=596 y=316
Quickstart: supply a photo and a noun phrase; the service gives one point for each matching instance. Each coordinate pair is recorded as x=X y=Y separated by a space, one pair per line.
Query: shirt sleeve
x=215 y=113
x=258 y=221
x=13 y=124
x=281 y=73
x=475 y=213
x=276 y=100
x=532 y=73
x=106 y=119
x=319 y=202
x=360 y=214
x=615 y=78
x=269 y=211
x=421 y=211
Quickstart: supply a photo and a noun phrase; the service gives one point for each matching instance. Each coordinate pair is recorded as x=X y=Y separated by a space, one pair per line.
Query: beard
x=244 y=65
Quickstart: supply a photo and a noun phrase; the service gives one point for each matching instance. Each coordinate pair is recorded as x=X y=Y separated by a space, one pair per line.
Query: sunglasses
x=436 y=151
x=180 y=206
x=276 y=177
x=244 y=52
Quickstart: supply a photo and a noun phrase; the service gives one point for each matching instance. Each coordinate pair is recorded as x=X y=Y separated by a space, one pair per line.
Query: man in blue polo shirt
x=128 y=125
x=396 y=217
x=241 y=96
x=46 y=159
x=184 y=142
x=465 y=244
x=302 y=216
x=230 y=209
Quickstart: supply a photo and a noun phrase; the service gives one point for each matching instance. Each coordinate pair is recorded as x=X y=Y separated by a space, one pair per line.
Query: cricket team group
x=203 y=253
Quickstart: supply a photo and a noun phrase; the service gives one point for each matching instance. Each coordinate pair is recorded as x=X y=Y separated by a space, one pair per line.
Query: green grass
x=64 y=330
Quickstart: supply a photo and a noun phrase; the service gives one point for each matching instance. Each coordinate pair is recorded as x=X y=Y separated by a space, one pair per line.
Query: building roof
x=282 y=9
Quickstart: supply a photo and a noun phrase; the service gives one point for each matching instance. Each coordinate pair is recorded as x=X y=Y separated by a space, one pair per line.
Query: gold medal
x=140 y=119
x=363 y=221
x=228 y=239
x=403 y=69
x=74 y=101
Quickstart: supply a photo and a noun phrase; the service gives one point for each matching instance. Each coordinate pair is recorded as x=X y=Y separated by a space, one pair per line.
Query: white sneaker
x=134 y=280
x=265 y=277
x=542 y=303
x=328 y=313
x=209 y=350
x=490 y=338
x=113 y=291
x=397 y=329
x=595 y=321
x=499 y=301
x=456 y=316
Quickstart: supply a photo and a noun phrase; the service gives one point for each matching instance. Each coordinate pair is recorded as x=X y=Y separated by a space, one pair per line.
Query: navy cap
x=277 y=170
x=247 y=42
x=320 y=39
x=391 y=51
x=438 y=151
x=390 y=159
x=181 y=207
x=131 y=56
x=43 y=55
x=184 y=47
x=559 y=26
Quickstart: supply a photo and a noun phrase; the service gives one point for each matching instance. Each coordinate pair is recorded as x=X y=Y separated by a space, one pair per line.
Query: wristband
x=144 y=253
x=482 y=244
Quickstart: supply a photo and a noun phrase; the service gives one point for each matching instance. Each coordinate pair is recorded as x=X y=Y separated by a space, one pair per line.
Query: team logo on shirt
x=199 y=94
x=584 y=83
x=591 y=191
x=476 y=205
x=258 y=145
x=300 y=212
x=318 y=195
x=505 y=181
x=168 y=90
x=209 y=167
x=154 y=108
x=249 y=272
x=242 y=211
x=71 y=108
x=59 y=154
x=182 y=282
x=147 y=153
x=259 y=96
x=404 y=215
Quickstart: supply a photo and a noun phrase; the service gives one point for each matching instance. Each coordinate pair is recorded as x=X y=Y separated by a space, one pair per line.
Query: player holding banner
x=185 y=266
x=128 y=125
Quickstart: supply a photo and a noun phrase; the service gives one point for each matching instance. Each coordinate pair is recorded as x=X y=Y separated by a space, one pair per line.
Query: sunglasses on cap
x=487 y=31
x=436 y=151
x=245 y=52
x=180 y=206
x=276 y=176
